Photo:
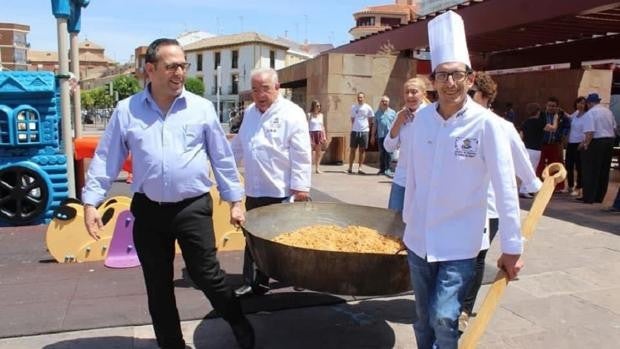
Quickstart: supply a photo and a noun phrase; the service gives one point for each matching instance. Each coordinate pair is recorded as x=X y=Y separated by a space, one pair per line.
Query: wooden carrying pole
x=553 y=174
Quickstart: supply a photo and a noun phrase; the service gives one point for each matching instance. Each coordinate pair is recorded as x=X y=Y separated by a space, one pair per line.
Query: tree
x=126 y=86
x=87 y=99
x=195 y=85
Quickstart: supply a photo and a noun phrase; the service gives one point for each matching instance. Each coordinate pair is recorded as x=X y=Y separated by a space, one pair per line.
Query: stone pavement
x=568 y=295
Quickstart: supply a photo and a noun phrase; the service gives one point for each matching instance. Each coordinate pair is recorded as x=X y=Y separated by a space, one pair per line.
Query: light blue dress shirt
x=170 y=153
x=384 y=120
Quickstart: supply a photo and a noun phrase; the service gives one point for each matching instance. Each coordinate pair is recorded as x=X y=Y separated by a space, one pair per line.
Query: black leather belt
x=168 y=204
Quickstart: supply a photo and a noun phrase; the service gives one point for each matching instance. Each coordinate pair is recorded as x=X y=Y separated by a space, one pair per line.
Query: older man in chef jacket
x=457 y=149
x=274 y=146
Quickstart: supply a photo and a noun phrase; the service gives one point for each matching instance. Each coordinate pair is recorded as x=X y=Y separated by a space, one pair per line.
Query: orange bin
x=84 y=148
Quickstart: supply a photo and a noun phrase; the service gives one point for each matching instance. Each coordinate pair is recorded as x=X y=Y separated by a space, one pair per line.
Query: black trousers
x=384 y=157
x=573 y=163
x=596 y=163
x=156 y=228
x=476 y=282
x=251 y=274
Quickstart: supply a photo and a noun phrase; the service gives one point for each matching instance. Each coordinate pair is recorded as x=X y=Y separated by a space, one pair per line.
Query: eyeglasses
x=172 y=67
x=457 y=76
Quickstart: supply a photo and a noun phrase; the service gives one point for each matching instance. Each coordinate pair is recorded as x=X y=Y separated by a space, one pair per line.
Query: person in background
x=576 y=136
x=361 y=124
x=532 y=131
x=414 y=91
x=273 y=145
x=599 y=125
x=174 y=137
x=384 y=117
x=510 y=115
x=483 y=92
x=317 y=133
x=556 y=129
x=457 y=149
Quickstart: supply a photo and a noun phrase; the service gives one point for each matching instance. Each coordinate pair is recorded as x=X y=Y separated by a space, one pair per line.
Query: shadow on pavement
x=564 y=207
x=104 y=343
x=361 y=325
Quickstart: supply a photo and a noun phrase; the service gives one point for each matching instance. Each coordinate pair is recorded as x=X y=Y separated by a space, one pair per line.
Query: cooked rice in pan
x=352 y=238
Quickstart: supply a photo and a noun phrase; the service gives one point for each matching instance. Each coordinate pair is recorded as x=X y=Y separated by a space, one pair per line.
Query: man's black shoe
x=244 y=290
x=244 y=333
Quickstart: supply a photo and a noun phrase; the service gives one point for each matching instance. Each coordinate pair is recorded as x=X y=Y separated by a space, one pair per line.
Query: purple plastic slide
x=122 y=253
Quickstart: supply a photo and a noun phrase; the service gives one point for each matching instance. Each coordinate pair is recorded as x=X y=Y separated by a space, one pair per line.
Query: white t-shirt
x=576 y=134
x=315 y=123
x=360 y=113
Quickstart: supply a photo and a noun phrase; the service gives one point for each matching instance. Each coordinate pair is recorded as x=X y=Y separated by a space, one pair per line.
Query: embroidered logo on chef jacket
x=466 y=147
x=274 y=125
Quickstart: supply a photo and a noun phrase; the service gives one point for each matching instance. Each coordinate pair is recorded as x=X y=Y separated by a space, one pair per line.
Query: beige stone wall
x=336 y=79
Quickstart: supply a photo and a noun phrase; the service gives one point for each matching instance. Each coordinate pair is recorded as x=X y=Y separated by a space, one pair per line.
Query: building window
x=5 y=135
x=199 y=62
x=214 y=90
x=27 y=126
x=392 y=22
x=235 y=59
x=272 y=59
x=217 y=58
x=366 y=21
x=20 y=56
x=234 y=87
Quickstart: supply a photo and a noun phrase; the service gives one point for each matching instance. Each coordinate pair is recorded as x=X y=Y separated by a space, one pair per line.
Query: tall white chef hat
x=446 y=37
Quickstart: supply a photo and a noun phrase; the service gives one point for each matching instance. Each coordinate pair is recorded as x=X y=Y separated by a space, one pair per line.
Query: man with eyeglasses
x=173 y=136
x=273 y=144
x=457 y=149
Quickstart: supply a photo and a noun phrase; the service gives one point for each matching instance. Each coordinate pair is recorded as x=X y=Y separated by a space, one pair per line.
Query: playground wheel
x=23 y=194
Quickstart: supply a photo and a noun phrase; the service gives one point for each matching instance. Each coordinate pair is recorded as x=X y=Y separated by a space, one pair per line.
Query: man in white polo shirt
x=457 y=149
x=362 y=116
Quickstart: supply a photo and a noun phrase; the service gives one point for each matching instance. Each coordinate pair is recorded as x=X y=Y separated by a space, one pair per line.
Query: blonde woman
x=414 y=91
x=317 y=133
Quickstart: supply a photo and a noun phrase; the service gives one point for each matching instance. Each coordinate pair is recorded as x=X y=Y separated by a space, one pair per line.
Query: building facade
x=93 y=61
x=13 y=46
x=236 y=56
x=373 y=19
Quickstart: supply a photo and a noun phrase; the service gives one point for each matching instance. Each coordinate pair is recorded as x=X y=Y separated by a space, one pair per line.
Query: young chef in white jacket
x=273 y=144
x=457 y=149
x=483 y=92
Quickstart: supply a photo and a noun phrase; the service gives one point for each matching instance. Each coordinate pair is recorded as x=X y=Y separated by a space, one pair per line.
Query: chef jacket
x=450 y=165
x=523 y=170
x=274 y=148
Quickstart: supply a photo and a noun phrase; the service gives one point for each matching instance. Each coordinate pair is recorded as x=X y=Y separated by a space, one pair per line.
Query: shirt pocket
x=193 y=135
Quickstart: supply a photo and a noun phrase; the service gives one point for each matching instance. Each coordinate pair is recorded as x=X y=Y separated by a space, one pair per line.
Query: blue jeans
x=397 y=198
x=439 y=289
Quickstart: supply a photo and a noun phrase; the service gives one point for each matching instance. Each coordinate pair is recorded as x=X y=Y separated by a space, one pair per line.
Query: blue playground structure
x=33 y=169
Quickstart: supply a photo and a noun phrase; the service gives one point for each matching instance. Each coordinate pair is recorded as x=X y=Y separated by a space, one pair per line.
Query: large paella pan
x=327 y=271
